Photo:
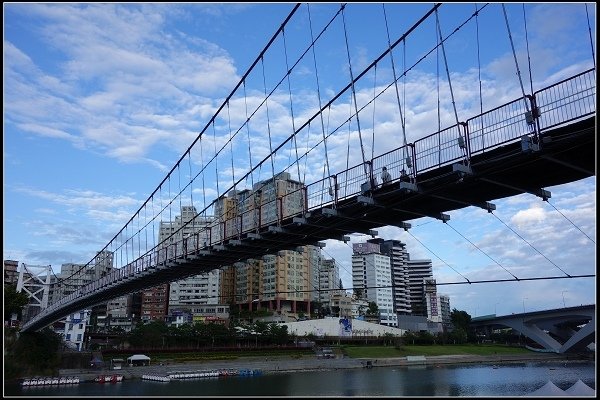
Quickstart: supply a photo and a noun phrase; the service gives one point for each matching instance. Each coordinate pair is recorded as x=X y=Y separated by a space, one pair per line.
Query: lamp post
x=524 y=298
x=563 y=296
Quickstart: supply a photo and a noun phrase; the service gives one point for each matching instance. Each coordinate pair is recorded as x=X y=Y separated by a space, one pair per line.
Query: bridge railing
x=349 y=182
x=440 y=148
x=397 y=162
x=566 y=101
x=499 y=126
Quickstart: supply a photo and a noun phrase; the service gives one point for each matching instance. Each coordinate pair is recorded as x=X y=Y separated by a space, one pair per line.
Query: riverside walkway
x=284 y=364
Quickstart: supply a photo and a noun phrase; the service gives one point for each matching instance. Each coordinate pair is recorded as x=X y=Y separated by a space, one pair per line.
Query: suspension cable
x=291 y=102
x=523 y=239
x=269 y=123
x=592 y=240
x=354 y=95
x=216 y=158
x=191 y=187
x=396 y=83
x=318 y=90
x=431 y=251
x=203 y=184
x=474 y=245
x=439 y=29
x=479 y=61
x=590 y=31
x=247 y=123
x=515 y=57
x=230 y=144
x=528 y=55
x=373 y=123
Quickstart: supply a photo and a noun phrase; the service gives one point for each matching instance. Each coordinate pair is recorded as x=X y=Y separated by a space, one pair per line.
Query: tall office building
x=371 y=272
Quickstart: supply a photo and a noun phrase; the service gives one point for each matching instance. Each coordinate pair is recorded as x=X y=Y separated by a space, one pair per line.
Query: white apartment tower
x=396 y=251
x=371 y=271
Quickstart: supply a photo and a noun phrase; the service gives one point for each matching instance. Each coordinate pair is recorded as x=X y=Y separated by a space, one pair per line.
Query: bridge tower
x=34 y=280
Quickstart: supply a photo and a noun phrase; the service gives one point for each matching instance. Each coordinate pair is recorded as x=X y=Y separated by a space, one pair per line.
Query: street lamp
x=525 y=298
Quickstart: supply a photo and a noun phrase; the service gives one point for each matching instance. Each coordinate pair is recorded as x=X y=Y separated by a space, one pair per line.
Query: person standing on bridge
x=386 y=178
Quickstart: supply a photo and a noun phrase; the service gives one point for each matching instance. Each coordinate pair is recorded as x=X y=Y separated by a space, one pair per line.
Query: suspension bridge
x=538 y=139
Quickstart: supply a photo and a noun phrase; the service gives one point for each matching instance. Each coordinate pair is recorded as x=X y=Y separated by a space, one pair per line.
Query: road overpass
x=561 y=330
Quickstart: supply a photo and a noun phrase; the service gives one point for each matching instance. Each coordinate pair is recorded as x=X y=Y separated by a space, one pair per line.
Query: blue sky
x=101 y=100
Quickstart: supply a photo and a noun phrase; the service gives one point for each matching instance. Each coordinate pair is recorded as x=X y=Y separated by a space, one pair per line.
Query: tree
x=460 y=319
x=14 y=301
x=373 y=309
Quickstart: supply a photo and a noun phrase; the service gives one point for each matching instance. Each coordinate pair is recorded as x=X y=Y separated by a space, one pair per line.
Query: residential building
x=11 y=272
x=418 y=272
x=371 y=272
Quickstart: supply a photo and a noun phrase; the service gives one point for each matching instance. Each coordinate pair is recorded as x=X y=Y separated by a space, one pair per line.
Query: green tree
x=460 y=319
x=33 y=353
x=14 y=301
x=373 y=309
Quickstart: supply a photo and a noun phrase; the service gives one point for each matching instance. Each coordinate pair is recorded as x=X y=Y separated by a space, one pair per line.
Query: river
x=511 y=379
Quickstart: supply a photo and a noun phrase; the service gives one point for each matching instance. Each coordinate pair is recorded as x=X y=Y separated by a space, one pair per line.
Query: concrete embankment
x=289 y=364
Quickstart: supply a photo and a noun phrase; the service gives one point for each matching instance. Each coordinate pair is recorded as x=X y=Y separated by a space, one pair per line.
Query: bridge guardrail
x=568 y=100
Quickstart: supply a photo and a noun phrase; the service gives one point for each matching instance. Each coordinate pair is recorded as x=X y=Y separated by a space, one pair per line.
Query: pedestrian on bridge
x=386 y=178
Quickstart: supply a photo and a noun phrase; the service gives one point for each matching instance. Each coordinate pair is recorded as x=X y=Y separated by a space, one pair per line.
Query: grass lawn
x=431 y=350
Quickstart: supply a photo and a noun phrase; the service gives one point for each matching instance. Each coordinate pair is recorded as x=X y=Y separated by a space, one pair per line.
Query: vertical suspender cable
x=515 y=57
x=528 y=56
x=590 y=31
x=439 y=29
x=479 y=75
x=318 y=91
x=406 y=155
x=247 y=123
x=203 y=184
x=216 y=157
x=461 y=140
x=373 y=123
x=291 y=102
x=191 y=179
x=437 y=81
x=354 y=94
x=268 y=121
x=479 y=62
x=230 y=144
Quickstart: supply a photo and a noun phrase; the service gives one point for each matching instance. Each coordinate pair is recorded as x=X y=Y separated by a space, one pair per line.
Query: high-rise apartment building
x=396 y=251
x=371 y=272
x=285 y=282
x=419 y=271
x=328 y=281
x=195 y=290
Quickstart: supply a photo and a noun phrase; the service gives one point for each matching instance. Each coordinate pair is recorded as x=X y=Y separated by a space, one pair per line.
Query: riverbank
x=271 y=365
